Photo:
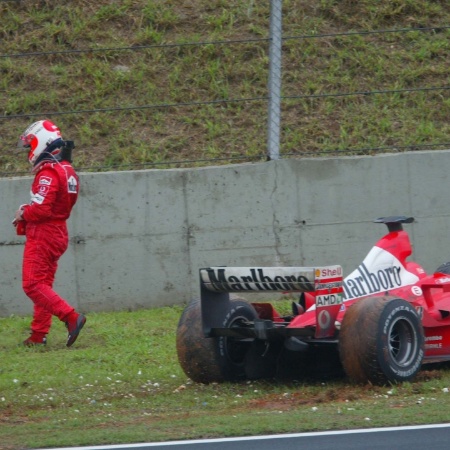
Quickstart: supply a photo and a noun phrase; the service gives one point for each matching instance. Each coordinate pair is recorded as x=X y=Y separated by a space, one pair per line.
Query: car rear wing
x=217 y=282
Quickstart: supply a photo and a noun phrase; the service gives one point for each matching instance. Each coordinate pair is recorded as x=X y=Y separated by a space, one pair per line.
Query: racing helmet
x=43 y=141
x=443 y=269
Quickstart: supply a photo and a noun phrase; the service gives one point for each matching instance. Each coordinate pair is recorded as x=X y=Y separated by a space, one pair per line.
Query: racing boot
x=74 y=323
x=35 y=339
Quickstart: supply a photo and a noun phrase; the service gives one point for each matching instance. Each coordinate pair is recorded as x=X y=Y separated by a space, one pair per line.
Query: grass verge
x=121 y=382
x=125 y=81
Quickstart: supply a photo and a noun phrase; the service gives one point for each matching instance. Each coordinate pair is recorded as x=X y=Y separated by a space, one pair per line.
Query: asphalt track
x=434 y=437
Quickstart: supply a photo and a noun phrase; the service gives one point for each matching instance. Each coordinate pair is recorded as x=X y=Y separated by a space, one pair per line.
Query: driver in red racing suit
x=54 y=192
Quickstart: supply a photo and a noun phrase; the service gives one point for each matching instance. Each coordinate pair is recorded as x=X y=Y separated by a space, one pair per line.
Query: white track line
x=255 y=438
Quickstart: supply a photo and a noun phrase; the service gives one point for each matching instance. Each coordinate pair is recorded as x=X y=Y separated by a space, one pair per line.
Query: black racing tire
x=381 y=341
x=218 y=359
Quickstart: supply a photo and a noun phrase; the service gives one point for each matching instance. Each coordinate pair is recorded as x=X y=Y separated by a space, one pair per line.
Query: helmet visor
x=28 y=143
x=25 y=142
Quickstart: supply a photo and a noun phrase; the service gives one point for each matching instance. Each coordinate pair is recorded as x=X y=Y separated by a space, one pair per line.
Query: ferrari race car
x=379 y=324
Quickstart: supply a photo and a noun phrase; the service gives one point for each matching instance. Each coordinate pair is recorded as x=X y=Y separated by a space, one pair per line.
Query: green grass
x=186 y=74
x=121 y=382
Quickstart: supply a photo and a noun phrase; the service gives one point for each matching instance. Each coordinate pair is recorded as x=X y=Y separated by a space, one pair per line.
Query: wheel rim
x=236 y=349
x=402 y=342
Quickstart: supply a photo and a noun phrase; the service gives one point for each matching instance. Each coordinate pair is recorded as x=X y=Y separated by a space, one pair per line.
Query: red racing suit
x=53 y=194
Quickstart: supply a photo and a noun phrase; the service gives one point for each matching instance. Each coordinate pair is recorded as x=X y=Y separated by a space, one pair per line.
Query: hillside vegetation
x=152 y=97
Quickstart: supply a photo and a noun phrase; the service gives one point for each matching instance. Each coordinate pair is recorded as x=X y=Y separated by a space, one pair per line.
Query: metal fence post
x=274 y=85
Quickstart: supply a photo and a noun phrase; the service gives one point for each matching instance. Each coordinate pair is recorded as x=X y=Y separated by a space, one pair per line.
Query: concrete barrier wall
x=138 y=238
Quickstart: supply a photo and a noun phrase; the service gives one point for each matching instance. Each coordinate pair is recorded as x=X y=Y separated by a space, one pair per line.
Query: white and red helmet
x=42 y=139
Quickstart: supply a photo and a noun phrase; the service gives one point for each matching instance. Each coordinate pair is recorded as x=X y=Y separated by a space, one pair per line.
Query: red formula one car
x=379 y=324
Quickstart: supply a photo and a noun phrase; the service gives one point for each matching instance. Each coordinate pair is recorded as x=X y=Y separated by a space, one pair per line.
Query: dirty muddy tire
x=207 y=360
x=381 y=341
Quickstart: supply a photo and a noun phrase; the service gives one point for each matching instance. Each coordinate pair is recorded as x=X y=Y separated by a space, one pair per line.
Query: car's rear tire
x=381 y=341
x=217 y=359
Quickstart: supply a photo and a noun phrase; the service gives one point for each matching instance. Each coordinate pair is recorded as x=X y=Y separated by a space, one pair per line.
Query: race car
x=378 y=325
